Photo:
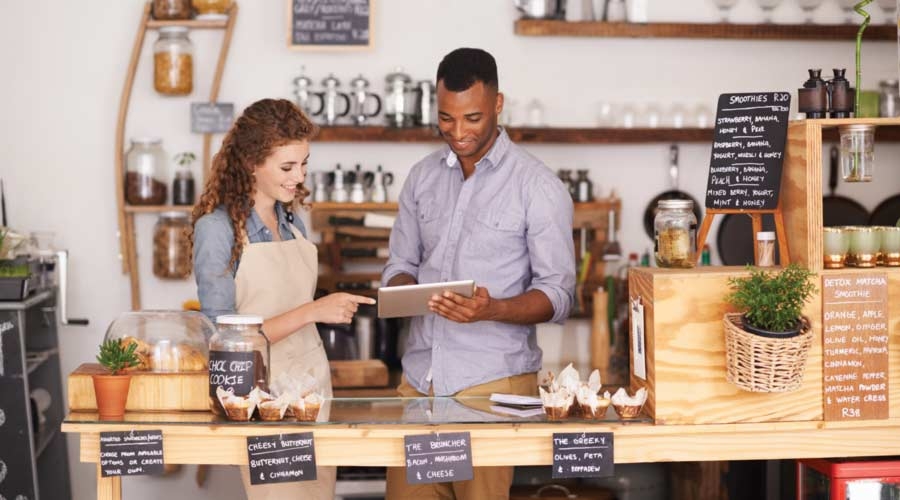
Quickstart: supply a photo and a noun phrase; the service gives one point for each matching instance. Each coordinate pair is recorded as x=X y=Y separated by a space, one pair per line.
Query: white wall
x=64 y=63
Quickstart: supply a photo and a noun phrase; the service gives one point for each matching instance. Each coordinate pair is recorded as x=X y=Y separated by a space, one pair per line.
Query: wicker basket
x=762 y=364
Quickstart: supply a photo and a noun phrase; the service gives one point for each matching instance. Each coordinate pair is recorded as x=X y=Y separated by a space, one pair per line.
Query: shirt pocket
x=431 y=219
x=500 y=230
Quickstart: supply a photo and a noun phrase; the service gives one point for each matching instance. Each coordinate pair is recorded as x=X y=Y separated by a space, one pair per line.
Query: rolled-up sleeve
x=405 y=245
x=213 y=240
x=550 y=246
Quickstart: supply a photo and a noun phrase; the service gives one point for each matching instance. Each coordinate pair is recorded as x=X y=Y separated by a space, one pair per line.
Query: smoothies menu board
x=748 y=151
x=855 y=351
x=330 y=23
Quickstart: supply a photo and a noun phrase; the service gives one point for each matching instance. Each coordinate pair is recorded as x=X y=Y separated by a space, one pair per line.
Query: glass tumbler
x=836 y=243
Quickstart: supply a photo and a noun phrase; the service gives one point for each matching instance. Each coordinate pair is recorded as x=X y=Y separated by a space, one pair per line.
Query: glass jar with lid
x=172 y=246
x=211 y=9
x=173 y=62
x=172 y=9
x=889 y=99
x=398 y=99
x=238 y=358
x=145 y=172
x=675 y=228
x=165 y=341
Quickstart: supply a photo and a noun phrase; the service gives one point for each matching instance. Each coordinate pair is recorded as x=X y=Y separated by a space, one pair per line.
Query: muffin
x=629 y=406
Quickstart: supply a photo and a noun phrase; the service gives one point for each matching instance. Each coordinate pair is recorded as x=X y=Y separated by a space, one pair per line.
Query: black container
x=183 y=189
x=813 y=97
x=14 y=288
x=842 y=96
x=769 y=334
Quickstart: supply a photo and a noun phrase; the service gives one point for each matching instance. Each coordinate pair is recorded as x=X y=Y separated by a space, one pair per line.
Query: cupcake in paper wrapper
x=306 y=408
x=237 y=408
x=557 y=404
x=271 y=408
x=629 y=406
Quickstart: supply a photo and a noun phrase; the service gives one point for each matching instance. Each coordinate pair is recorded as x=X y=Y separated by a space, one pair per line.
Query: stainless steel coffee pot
x=320 y=186
x=330 y=96
x=359 y=97
x=425 y=109
x=380 y=181
x=304 y=96
x=538 y=9
x=341 y=180
x=398 y=99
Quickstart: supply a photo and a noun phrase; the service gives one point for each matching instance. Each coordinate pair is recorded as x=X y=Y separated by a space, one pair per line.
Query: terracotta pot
x=111 y=392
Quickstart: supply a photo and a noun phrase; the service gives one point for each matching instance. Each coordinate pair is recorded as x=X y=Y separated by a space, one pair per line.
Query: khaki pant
x=488 y=483
x=320 y=489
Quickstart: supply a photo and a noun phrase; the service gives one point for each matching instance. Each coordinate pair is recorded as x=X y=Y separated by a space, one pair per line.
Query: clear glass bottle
x=675 y=228
x=173 y=62
x=171 y=9
x=183 y=187
x=145 y=172
x=172 y=246
x=889 y=99
x=857 y=156
x=238 y=357
x=765 y=249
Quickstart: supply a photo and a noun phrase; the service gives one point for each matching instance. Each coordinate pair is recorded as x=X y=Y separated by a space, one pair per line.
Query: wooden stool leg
x=704 y=232
x=785 y=256
x=757 y=227
x=108 y=488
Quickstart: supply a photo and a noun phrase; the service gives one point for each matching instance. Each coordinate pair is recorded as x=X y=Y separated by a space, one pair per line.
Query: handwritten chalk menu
x=330 y=23
x=133 y=453
x=855 y=336
x=281 y=459
x=17 y=475
x=582 y=454
x=438 y=458
x=748 y=151
x=211 y=117
x=231 y=370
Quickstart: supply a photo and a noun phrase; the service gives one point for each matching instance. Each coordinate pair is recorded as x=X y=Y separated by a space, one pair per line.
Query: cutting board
x=189 y=391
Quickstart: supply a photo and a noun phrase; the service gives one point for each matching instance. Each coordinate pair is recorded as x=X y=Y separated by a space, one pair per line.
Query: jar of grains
x=171 y=9
x=211 y=9
x=173 y=62
x=675 y=228
x=172 y=246
x=145 y=172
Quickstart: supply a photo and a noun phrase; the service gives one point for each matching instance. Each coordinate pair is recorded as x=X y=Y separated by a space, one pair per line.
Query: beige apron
x=273 y=278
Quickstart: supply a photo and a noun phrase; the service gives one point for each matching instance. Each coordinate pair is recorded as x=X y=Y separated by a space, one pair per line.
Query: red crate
x=848 y=478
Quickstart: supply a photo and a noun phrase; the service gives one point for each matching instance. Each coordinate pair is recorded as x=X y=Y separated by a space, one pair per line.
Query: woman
x=251 y=255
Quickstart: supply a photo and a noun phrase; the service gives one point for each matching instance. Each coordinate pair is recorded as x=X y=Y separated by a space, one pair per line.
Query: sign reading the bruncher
x=582 y=454
x=748 y=151
x=855 y=354
x=133 y=453
x=438 y=458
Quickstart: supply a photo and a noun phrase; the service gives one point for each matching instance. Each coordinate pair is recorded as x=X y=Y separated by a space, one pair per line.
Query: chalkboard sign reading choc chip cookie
x=231 y=370
x=748 y=151
x=330 y=23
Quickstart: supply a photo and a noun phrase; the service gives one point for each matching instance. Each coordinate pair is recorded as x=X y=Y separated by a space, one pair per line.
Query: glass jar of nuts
x=172 y=246
x=173 y=62
x=171 y=9
x=146 y=172
x=675 y=228
x=211 y=9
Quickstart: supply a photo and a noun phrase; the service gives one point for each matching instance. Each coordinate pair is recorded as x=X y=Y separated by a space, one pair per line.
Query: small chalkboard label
x=231 y=370
x=748 y=151
x=438 y=458
x=583 y=454
x=284 y=458
x=211 y=117
x=330 y=23
x=133 y=453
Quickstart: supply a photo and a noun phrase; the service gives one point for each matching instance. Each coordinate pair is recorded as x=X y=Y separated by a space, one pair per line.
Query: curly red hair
x=262 y=127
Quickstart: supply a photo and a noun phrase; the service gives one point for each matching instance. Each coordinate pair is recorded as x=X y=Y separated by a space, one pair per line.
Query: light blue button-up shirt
x=509 y=228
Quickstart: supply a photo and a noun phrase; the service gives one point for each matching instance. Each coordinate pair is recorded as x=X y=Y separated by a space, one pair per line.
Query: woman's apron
x=273 y=278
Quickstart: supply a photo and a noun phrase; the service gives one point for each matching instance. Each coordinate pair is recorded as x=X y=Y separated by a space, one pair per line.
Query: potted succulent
x=111 y=389
x=772 y=302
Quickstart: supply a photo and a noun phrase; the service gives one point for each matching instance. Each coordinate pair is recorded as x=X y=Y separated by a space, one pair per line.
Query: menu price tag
x=330 y=23
x=748 y=151
x=438 y=458
x=855 y=351
x=231 y=370
x=281 y=459
x=584 y=454
x=133 y=453
x=211 y=117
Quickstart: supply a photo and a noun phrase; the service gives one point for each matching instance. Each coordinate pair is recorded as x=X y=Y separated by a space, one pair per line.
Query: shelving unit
x=825 y=32
x=127 y=246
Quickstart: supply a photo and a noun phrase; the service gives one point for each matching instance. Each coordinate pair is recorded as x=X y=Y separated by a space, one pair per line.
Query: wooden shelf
x=549 y=135
x=824 y=32
x=194 y=24
x=153 y=209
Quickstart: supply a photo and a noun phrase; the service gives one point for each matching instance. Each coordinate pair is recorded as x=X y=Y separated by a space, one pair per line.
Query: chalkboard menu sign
x=16 y=467
x=211 y=117
x=231 y=370
x=330 y=23
x=284 y=458
x=855 y=354
x=582 y=454
x=748 y=151
x=133 y=453
x=438 y=458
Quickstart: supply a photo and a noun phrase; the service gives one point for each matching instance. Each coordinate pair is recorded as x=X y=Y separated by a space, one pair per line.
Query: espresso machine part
x=339 y=190
x=584 y=191
x=320 y=186
x=359 y=97
x=62 y=279
x=425 y=110
x=398 y=99
x=813 y=97
x=330 y=96
x=304 y=96
x=842 y=95
x=380 y=181
x=358 y=190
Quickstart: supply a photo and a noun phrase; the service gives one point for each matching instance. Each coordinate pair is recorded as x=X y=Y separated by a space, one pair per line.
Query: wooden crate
x=685 y=351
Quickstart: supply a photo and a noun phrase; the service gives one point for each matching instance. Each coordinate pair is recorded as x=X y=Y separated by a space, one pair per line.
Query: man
x=480 y=208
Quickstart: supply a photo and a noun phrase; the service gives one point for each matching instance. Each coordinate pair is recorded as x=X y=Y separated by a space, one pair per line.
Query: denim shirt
x=213 y=241
x=509 y=228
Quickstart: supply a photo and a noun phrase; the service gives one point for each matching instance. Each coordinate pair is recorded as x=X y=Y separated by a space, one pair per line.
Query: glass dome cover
x=167 y=341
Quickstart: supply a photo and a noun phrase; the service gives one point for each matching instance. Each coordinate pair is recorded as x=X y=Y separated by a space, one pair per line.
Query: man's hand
x=460 y=309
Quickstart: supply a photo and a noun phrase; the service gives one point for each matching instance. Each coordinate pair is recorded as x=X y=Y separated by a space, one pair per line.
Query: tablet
x=412 y=300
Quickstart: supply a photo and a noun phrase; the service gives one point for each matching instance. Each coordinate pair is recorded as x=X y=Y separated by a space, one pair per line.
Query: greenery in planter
x=772 y=301
x=116 y=357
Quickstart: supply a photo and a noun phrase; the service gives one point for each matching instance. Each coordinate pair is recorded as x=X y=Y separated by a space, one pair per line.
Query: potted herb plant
x=111 y=389
x=772 y=302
